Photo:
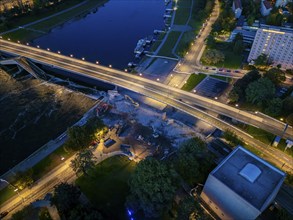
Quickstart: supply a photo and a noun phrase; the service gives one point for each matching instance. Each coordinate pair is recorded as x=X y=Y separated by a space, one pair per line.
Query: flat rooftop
x=249 y=176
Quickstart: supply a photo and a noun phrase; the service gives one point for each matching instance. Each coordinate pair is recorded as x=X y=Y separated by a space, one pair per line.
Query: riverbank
x=34 y=26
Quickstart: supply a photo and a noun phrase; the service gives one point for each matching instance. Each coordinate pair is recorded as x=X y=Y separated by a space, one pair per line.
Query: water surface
x=109 y=34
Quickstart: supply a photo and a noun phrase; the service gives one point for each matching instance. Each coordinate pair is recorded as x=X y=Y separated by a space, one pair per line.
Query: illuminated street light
x=125 y=70
x=71 y=55
x=216 y=97
x=58 y=52
x=236 y=105
x=18 y=41
x=140 y=74
x=97 y=62
x=158 y=79
x=38 y=46
x=27 y=44
x=8 y=39
x=0 y=37
x=256 y=112
x=110 y=66
x=48 y=49
x=194 y=91
x=83 y=58
x=281 y=119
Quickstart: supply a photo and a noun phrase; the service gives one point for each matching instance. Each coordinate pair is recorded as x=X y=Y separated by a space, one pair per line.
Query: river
x=109 y=34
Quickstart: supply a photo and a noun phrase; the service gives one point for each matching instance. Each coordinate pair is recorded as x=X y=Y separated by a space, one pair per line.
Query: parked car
x=228 y=71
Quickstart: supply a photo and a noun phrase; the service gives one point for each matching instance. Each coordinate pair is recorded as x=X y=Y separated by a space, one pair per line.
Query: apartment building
x=276 y=43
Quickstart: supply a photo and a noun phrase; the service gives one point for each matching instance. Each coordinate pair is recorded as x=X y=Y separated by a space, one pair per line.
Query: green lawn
x=50 y=162
x=232 y=60
x=182 y=15
x=193 y=81
x=166 y=49
x=226 y=79
x=106 y=186
x=45 y=26
x=184 y=43
x=6 y=194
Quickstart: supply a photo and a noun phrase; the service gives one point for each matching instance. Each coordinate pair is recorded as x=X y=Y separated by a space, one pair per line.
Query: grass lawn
x=166 y=49
x=106 y=186
x=50 y=162
x=45 y=26
x=182 y=15
x=232 y=61
x=6 y=194
x=184 y=43
x=193 y=81
x=226 y=79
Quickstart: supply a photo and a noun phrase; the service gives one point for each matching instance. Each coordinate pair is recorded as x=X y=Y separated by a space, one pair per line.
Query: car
x=236 y=71
x=214 y=69
x=3 y=214
x=206 y=68
x=228 y=71
x=221 y=70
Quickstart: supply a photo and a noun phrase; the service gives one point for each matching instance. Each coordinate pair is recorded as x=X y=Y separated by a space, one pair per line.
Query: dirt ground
x=33 y=112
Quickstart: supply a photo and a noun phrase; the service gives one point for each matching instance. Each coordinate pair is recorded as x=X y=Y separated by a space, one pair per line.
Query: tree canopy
x=193 y=161
x=275 y=75
x=238 y=91
x=152 y=188
x=213 y=56
x=65 y=197
x=260 y=91
x=80 y=137
x=83 y=161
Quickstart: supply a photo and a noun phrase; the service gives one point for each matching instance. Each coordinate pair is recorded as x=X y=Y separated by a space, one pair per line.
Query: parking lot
x=211 y=87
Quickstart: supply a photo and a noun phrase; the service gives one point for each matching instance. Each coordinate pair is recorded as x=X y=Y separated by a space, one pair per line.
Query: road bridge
x=27 y=65
x=182 y=100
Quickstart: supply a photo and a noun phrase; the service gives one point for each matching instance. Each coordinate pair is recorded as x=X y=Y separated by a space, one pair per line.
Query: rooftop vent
x=250 y=172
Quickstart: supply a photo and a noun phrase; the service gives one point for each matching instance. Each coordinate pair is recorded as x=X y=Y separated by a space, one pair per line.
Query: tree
x=192 y=155
x=262 y=60
x=186 y=207
x=83 y=161
x=238 y=47
x=23 y=179
x=80 y=137
x=81 y=212
x=288 y=105
x=65 y=197
x=238 y=91
x=211 y=42
x=275 y=75
x=260 y=91
x=152 y=188
x=274 y=107
x=289 y=119
x=213 y=56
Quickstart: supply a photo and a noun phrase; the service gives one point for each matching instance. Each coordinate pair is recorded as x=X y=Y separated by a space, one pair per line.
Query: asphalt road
x=143 y=86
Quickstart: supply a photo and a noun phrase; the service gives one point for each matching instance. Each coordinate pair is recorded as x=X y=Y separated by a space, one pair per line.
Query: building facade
x=237 y=8
x=242 y=186
x=282 y=3
x=276 y=44
x=265 y=7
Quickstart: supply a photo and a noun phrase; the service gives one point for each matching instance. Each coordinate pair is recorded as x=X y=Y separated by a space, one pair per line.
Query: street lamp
x=97 y=62
x=236 y=105
x=158 y=79
x=48 y=49
x=110 y=66
x=71 y=55
x=58 y=52
x=140 y=74
x=83 y=58
x=38 y=46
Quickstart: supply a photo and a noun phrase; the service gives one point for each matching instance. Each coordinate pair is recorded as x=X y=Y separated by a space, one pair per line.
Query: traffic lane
x=113 y=73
